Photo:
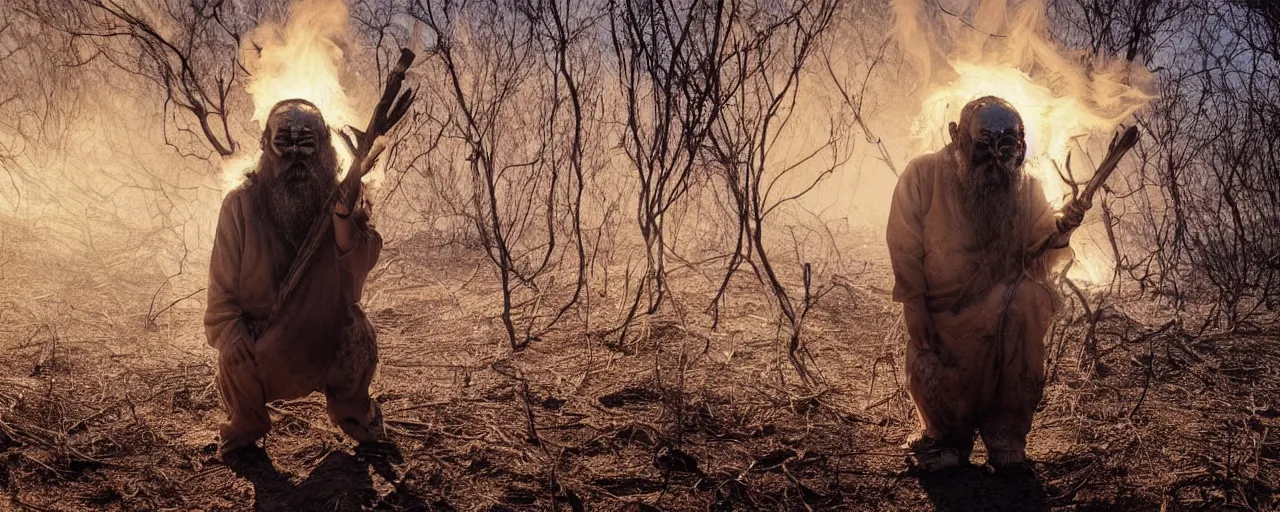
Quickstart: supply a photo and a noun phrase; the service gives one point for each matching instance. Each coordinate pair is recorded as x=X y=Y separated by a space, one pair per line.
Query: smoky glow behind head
x=300 y=58
x=1001 y=51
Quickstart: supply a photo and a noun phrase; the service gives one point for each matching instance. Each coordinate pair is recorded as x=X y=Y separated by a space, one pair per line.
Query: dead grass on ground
x=100 y=410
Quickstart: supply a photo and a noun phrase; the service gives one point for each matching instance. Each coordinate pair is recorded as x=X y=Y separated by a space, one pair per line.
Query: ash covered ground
x=100 y=411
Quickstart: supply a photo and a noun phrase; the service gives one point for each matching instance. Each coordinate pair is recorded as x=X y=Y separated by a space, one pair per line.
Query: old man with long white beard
x=972 y=240
x=321 y=340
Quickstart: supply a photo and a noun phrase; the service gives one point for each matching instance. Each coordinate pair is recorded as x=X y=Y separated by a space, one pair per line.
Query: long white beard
x=996 y=215
x=294 y=206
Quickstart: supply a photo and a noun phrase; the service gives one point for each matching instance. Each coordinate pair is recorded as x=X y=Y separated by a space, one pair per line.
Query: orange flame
x=302 y=59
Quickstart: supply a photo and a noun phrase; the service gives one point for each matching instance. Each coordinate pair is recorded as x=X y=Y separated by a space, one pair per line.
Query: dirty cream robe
x=978 y=380
x=321 y=340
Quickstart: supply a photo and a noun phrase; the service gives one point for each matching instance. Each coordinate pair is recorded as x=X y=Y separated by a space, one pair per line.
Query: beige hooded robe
x=321 y=340
x=978 y=380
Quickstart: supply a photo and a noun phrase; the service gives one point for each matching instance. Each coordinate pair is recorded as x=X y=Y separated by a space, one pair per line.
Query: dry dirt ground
x=99 y=411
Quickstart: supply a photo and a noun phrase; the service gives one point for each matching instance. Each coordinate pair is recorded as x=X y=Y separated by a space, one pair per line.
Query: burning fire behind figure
x=972 y=239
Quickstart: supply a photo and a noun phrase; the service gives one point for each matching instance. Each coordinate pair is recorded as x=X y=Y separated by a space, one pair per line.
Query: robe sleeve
x=1045 y=226
x=905 y=234
x=360 y=259
x=223 y=318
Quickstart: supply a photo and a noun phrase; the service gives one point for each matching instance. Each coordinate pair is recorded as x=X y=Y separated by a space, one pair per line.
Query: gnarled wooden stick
x=1118 y=148
x=365 y=150
x=1120 y=145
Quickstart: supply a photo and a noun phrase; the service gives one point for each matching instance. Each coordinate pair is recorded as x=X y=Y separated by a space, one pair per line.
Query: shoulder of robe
x=238 y=199
x=1033 y=182
x=1035 y=189
x=234 y=196
x=926 y=167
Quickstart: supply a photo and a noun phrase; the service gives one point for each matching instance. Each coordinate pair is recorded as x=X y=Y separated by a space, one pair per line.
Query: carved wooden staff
x=1120 y=145
x=365 y=150
x=1117 y=150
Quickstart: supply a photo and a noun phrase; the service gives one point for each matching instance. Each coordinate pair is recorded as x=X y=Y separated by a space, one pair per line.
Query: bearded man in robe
x=972 y=241
x=320 y=340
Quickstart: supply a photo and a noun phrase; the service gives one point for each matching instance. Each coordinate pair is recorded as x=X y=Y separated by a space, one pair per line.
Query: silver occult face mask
x=293 y=134
x=991 y=137
x=1000 y=137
